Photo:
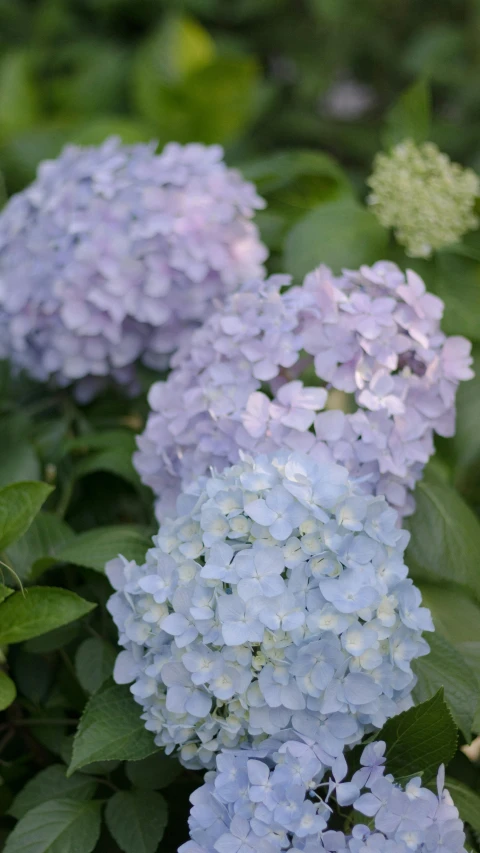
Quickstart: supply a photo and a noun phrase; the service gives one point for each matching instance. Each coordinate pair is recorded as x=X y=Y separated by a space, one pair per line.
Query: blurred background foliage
x=254 y=75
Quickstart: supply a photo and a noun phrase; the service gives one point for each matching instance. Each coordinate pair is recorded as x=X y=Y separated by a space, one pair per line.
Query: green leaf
x=179 y=47
x=456 y=615
x=53 y=640
x=94 y=662
x=111 y=728
x=462 y=300
x=33 y=676
x=33 y=552
x=38 y=610
x=8 y=691
x=466 y=801
x=95 y=547
x=5 y=591
x=109 y=451
x=445 y=541
x=18 y=96
x=76 y=92
x=57 y=826
x=410 y=117
x=292 y=183
x=51 y=784
x=156 y=771
x=444 y=667
x=18 y=458
x=340 y=234
x=466 y=442
x=188 y=92
x=420 y=739
x=223 y=99
x=19 y=504
x=136 y=820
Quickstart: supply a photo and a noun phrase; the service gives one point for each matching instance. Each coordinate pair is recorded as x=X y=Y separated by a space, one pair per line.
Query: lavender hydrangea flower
x=276 y=598
x=372 y=333
x=115 y=254
x=280 y=798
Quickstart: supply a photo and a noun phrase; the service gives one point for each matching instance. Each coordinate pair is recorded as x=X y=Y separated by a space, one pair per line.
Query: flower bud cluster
x=428 y=200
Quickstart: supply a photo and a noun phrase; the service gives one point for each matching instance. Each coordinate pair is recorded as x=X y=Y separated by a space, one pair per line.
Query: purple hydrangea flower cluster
x=115 y=254
x=372 y=333
x=277 y=598
x=279 y=800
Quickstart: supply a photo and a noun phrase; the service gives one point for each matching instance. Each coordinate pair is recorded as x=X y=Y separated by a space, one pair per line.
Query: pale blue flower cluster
x=277 y=598
x=115 y=254
x=280 y=799
x=373 y=333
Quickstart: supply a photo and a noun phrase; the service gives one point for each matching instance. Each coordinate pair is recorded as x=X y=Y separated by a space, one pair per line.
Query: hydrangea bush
x=272 y=638
x=282 y=799
x=115 y=254
x=373 y=333
x=277 y=598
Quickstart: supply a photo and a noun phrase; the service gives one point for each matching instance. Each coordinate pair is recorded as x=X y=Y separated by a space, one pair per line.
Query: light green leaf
x=8 y=691
x=38 y=610
x=445 y=541
x=179 y=47
x=156 y=771
x=420 y=739
x=224 y=99
x=57 y=826
x=33 y=552
x=18 y=96
x=466 y=801
x=19 y=504
x=5 y=591
x=444 y=667
x=95 y=547
x=111 y=728
x=51 y=784
x=94 y=662
x=136 y=820
x=410 y=117
x=188 y=93
x=339 y=233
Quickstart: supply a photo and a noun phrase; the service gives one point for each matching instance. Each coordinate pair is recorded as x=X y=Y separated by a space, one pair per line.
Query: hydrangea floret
x=281 y=800
x=428 y=200
x=277 y=598
x=373 y=333
x=115 y=254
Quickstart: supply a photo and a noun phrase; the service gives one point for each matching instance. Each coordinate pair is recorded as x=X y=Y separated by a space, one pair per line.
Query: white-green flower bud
x=423 y=196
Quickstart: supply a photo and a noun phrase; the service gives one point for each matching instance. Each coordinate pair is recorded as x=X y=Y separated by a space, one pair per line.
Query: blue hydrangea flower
x=279 y=798
x=115 y=254
x=373 y=333
x=277 y=598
